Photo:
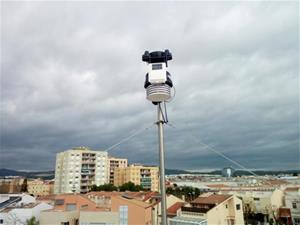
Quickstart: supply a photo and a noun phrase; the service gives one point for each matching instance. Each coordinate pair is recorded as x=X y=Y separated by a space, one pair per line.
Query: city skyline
x=72 y=75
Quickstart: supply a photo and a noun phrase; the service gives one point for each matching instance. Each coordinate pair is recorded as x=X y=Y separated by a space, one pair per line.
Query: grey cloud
x=71 y=75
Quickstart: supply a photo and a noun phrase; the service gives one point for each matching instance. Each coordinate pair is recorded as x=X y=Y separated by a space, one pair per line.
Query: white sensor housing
x=157 y=73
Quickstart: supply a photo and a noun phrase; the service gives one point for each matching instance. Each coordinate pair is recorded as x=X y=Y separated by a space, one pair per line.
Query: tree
x=189 y=193
x=32 y=221
x=131 y=187
x=104 y=187
x=24 y=186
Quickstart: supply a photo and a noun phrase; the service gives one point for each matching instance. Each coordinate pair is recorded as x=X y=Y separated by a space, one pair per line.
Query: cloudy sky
x=72 y=75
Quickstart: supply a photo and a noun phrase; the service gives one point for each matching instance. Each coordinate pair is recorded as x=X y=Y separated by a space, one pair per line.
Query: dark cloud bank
x=71 y=75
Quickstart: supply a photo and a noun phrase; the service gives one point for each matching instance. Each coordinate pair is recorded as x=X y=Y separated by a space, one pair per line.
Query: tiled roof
x=275 y=182
x=212 y=199
x=135 y=201
x=292 y=189
x=143 y=196
x=217 y=185
x=172 y=210
x=104 y=193
x=45 y=198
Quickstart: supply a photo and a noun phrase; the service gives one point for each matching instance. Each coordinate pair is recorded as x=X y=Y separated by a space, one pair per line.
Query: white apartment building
x=78 y=169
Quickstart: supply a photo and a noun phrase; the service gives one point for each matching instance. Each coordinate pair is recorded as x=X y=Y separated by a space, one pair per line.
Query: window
x=294 y=205
x=65 y=223
x=70 y=207
x=1 y=221
x=296 y=221
x=123 y=214
x=59 y=201
x=256 y=199
x=84 y=206
x=238 y=206
x=230 y=222
x=226 y=206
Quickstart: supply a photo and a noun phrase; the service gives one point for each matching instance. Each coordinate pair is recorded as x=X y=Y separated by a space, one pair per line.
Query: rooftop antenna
x=158 y=86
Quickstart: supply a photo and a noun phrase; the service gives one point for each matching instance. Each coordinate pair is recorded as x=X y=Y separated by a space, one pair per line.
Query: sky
x=72 y=75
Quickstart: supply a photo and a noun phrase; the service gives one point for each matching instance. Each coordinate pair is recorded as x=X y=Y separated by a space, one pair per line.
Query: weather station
x=158 y=85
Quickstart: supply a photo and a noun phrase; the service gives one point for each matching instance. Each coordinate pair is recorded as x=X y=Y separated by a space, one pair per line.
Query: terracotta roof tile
x=172 y=210
x=217 y=185
x=292 y=189
x=212 y=199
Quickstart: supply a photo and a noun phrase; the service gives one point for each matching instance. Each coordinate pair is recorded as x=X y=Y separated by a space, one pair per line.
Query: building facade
x=17 y=215
x=39 y=187
x=109 y=208
x=11 y=185
x=292 y=201
x=78 y=169
x=115 y=163
x=263 y=203
x=211 y=209
x=146 y=176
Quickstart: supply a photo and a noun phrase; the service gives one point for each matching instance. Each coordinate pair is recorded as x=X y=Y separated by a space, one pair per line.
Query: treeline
x=189 y=193
x=125 y=187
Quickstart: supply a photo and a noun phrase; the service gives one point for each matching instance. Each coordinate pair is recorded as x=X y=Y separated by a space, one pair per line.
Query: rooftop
x=212 y=199
x=172 y=210
x=292 y=189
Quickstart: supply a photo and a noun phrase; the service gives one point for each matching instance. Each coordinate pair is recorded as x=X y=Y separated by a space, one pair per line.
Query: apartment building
x=146 y=176
x=211 y=209
x=39 y=187
x=11 y=185
x=78 y=169
x=113 y=163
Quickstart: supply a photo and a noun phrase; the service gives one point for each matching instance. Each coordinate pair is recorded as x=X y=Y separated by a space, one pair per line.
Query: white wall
x=18 y=216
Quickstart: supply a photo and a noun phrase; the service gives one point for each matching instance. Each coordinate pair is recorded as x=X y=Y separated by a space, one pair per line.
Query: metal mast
x=158 y=84
x=160 y=123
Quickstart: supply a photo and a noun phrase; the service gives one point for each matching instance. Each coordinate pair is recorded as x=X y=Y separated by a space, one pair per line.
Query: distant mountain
x=50 y=174
x=29 y=174
x=174 y=171
x=237 y=172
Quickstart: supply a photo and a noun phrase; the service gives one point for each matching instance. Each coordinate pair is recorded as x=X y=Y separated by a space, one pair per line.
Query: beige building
x=109 y=208
x=78 y=169
x=146 y=176
x=11 y=185
x=173 y=204
x=211 y=209
x=259 y=201
x=39 y=187
x=292 y=201
x=115 y=163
